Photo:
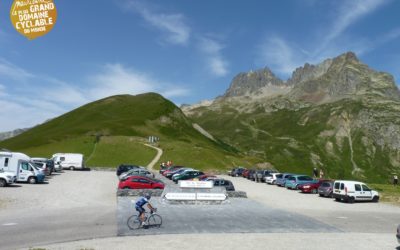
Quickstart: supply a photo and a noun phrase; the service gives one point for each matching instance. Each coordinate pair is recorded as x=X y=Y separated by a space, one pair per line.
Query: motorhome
x=20 y=165
x=69 y=161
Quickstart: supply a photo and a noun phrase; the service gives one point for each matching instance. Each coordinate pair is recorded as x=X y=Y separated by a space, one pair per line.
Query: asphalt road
x=82 y=205
x=32 y=227
x=236 y=216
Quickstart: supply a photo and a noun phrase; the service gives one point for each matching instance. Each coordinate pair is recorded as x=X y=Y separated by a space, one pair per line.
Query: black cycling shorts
x=140 y=210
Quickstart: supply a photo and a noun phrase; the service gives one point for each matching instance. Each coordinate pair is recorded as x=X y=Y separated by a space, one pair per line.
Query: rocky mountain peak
x=341 y=77
x=253 y=83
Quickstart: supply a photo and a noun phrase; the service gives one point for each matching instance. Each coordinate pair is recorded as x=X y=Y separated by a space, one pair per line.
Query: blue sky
x=187 y=51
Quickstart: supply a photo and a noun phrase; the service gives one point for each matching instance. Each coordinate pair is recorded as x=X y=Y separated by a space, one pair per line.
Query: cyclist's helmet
x=148 y=196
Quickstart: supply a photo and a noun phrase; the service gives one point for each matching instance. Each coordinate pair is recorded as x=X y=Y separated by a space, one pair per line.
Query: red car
x=245 y=173
x=311 y=187
x=171 y=169
x=205 y=176
x=140 y=182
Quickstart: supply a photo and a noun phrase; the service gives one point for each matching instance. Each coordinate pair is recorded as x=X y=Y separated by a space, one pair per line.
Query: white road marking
x=9 y=224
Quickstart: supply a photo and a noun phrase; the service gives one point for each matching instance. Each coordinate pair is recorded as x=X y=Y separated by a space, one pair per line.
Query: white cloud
x=117 y=79
x=175 y=92
x=178 y=32
x=13 y=72
x=21 y=115
x=280 y=56
x=348 y=13
x=283 y=56
x=212 y=51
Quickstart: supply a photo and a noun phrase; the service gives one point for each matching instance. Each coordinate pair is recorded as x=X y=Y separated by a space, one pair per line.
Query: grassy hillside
x=297 y=140
x=112 y=131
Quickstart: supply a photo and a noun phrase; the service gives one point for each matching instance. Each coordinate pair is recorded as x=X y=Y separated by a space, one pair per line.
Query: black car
x=125 y=168
x=251 y=175
x=237 y=171
x=224 y=183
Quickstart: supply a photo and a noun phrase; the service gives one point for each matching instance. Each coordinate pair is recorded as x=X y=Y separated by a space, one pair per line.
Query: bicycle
x=154 y=220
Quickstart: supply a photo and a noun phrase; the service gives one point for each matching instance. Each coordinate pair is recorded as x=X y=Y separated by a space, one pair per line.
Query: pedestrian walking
x=321 y=174
x=315 y=172
x=395 y=180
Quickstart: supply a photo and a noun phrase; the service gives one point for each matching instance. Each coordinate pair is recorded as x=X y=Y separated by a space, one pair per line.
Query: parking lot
x=82 y=206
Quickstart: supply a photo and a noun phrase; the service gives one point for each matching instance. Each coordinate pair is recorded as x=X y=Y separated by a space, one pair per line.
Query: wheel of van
x=32 y=180
x=3 y=183
x=72 y=168
x=350 y=199
x=375 y=199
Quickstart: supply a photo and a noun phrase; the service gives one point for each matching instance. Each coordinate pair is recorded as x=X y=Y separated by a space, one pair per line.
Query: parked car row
x=137 y=177
x=341 y=190
x=19 y=167
x=176 y=173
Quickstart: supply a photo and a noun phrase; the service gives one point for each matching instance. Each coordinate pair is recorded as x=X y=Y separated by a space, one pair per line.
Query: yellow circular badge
x=33 y=18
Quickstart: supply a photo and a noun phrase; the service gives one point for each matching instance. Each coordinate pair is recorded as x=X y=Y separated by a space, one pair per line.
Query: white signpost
x=181 y=196
x=196 y=184
x=210 y=197
x=196 y=191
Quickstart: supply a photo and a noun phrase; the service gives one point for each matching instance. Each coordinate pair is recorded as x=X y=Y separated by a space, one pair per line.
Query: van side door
x=359 y=194
x=367 y=193
x=24 y=171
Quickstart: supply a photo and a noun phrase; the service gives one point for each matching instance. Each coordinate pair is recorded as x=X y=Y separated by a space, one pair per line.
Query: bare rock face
x=339 y=115
x=342 y=77
x=254 y=83
x=10 y=134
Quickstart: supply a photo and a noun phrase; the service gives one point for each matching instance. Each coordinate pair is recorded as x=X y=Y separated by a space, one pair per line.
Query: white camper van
x=19 y=164
x=69 y=161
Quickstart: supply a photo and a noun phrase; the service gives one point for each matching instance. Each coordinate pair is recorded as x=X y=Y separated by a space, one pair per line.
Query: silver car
x=136 y=171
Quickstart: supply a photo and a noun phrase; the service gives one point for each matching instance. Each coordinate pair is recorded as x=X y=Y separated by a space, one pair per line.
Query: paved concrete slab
x=235 y=216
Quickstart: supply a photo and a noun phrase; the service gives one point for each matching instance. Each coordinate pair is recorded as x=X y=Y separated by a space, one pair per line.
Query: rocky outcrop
x=10 y=134
x=342 y=77
x=255 y=83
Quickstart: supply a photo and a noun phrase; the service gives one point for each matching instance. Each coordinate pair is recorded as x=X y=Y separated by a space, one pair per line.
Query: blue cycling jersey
x=141 y=202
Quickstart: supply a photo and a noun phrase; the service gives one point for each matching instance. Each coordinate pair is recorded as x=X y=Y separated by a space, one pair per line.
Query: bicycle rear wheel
x=155 y=220
x=133 y=222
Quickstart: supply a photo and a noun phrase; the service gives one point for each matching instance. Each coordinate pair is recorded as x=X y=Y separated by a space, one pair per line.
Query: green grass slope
x=297 y=140
x=107 y=131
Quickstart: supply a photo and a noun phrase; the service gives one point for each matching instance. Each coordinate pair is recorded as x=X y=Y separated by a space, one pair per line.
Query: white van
x=351 y=191
x=69 y=161
x=19 y=164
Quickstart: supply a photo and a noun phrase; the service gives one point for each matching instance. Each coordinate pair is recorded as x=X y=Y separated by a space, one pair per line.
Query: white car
x=7 y=178
x=271 y=178
x=351 y=191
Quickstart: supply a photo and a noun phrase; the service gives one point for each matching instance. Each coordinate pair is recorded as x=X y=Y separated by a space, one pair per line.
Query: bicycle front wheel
x=133 y=222
x=155 y=220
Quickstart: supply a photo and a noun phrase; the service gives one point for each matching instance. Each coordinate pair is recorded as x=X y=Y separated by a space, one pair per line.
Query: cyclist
x=143 y=200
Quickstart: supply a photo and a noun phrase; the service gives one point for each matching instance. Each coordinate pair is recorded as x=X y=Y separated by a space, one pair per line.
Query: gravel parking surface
x=83 y=205
x=70 y=206
x=360 y=217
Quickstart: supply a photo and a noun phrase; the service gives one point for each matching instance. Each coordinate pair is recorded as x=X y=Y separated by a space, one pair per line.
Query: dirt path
x=156 y=158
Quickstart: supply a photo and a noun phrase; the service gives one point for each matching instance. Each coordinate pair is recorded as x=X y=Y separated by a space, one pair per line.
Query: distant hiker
x=395 y=180
x=315 y=172
x=321 y=174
